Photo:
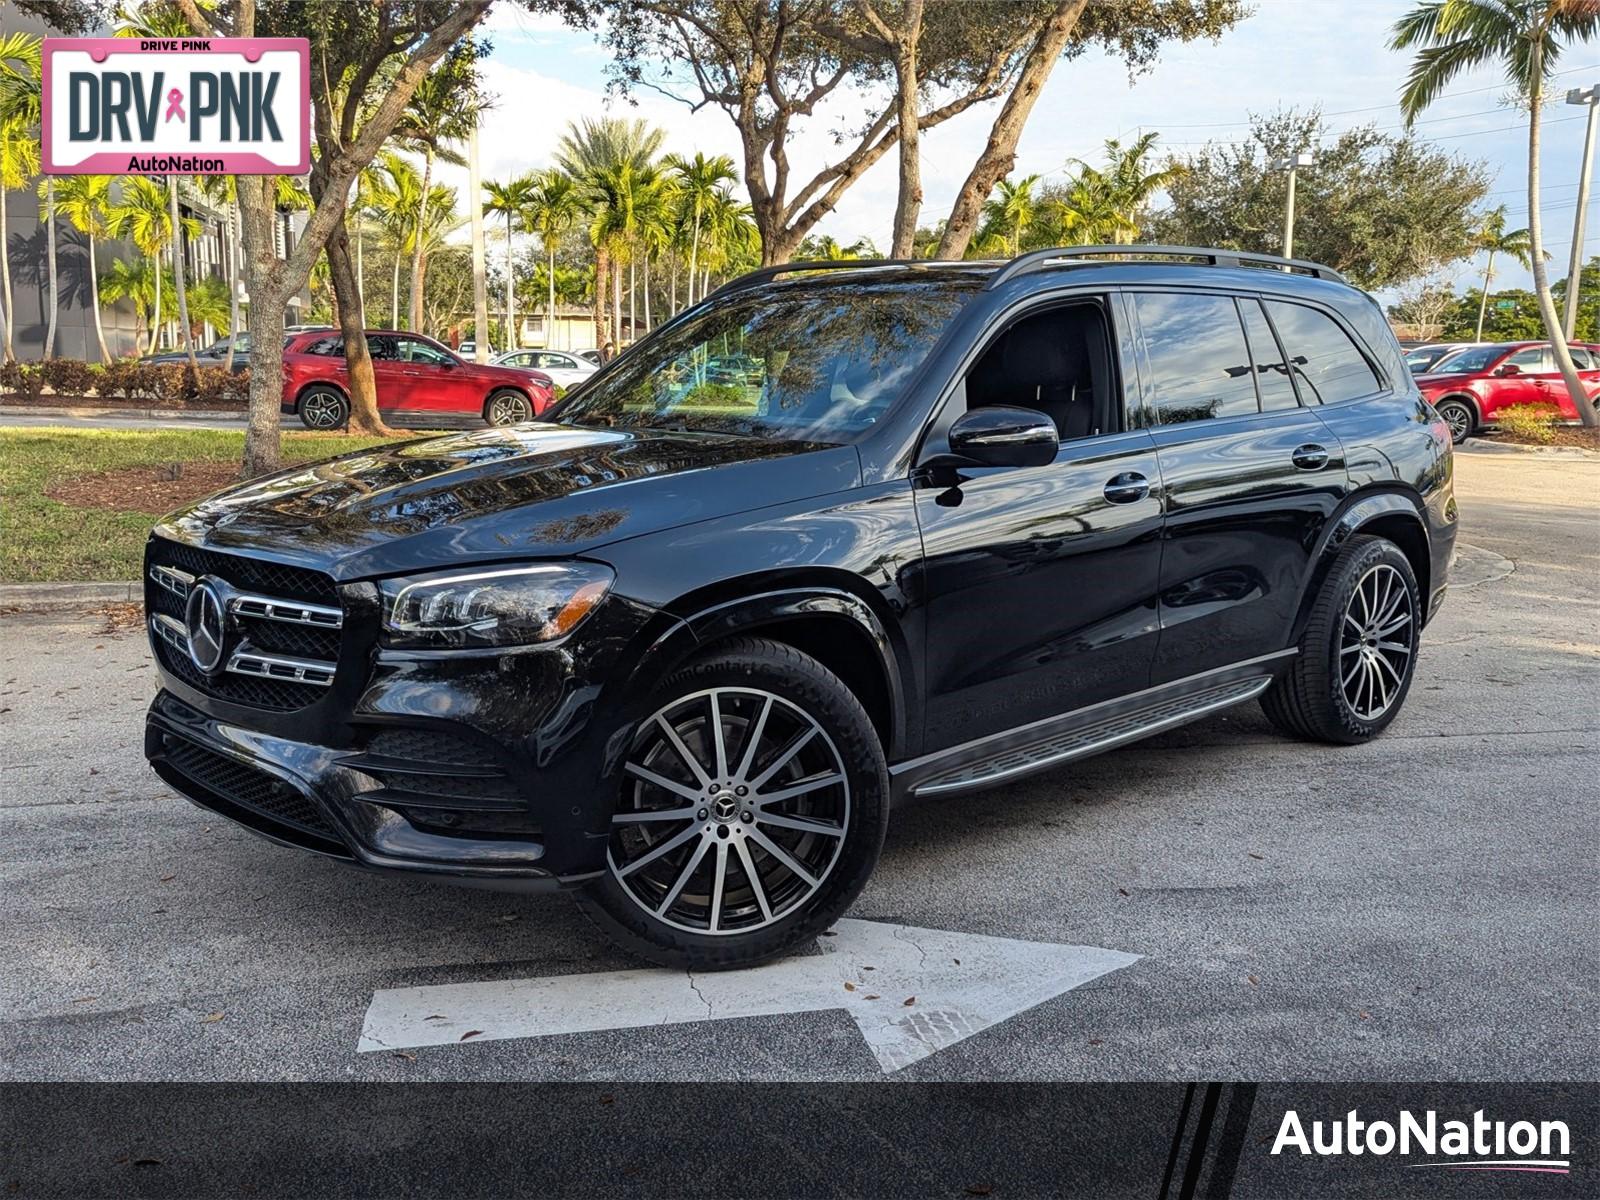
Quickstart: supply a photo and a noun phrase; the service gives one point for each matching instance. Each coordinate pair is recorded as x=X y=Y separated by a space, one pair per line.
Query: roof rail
x=762 y=274
x=1039 y=260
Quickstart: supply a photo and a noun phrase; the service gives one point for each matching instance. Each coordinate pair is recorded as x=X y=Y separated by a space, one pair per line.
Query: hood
x=528 y=491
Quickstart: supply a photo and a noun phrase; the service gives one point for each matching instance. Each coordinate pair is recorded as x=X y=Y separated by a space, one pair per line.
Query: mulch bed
x=153 y=490
x=1564 y=435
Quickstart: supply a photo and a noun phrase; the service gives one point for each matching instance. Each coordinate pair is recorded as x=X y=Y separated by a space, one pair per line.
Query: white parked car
x=563 y=368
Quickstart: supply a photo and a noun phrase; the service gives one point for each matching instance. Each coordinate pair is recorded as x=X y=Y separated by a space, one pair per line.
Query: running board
x=1012 y=756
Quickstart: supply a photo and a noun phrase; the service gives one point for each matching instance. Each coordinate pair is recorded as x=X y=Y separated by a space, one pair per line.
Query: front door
x=1039 y=582
x=1251 y=472
x=437 y=380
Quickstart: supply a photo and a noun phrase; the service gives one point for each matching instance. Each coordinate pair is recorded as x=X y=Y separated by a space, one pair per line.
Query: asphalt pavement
x=1422 y=907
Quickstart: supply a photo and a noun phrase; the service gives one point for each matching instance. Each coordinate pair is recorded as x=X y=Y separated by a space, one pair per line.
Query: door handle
x=1127 y=488
x=1311 y=457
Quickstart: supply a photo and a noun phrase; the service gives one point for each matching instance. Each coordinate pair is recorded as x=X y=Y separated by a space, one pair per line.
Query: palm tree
x=510 y=200
x=827 y=249
x=141 y=215
x=593 y=153
x=20 y=120
x=291 y=195
x=733 y=244
x=1011 y=210
x=437 y=116
x=82 y=201
x=178 y=271
x=1092 y=214
x=698 y=180
x=554 y=203
x=1131 y=185
x=1526 y=37
x=138 y=281
x=1493 y=237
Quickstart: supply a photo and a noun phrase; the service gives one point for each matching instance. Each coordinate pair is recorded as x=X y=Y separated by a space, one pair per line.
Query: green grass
x=42 y=540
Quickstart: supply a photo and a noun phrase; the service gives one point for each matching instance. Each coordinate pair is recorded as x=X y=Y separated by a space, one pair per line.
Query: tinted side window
x=1580 y=358
x=1199 y=364
x=1326 y=362
x=1272 y=373
x=412 y=350
x=331 y=347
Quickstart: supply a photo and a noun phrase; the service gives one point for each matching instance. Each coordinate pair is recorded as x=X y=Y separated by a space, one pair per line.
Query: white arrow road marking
x=958 y=985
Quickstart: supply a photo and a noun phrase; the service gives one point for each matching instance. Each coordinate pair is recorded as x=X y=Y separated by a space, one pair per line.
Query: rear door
x=1250 y=473
x=394 y=384
x=1552 y=388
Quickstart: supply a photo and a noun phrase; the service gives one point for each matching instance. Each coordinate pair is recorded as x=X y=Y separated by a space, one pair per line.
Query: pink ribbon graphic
x=175 y=105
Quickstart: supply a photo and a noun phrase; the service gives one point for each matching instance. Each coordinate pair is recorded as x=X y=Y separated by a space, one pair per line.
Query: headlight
x=516 y=606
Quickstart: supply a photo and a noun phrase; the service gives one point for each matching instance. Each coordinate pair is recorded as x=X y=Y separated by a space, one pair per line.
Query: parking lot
x=1422 y=907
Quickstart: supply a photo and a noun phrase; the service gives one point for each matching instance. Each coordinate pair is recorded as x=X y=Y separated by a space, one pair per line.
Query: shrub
x=1529 y=422
x=68 y=376
x=121 y=379
x=167 y=384
x=220 y=387
x=22 y=379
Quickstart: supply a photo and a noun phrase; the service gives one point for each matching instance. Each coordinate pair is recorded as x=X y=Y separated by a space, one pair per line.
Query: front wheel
x=507 y=407
x=1459 y=416
x=752 y=809
x=1359 y=650
x=323 y=408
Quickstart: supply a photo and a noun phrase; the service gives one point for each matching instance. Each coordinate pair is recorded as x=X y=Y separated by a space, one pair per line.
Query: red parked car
x=420 y=383
x=1472 y=385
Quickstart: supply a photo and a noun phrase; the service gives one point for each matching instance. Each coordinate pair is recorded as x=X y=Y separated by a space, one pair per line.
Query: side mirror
x=1002 y=436
x=1508 y=369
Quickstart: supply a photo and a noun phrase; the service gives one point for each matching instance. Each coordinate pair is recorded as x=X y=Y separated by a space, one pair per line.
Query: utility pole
x=1590 y=96
x=1292 y=163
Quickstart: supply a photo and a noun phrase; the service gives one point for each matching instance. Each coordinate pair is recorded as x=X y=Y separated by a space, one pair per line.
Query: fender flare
x=327 y=383
x=664 y=649
x=1357 y=513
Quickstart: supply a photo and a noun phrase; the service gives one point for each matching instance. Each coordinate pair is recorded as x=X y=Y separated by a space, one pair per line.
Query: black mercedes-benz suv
x=682 y=645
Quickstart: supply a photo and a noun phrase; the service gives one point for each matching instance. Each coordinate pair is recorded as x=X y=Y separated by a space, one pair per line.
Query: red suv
x=1470 y=386
x=420 y=383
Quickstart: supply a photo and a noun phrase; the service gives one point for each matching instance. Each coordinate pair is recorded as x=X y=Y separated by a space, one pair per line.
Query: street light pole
x=1591 y=97
x=1293 y=163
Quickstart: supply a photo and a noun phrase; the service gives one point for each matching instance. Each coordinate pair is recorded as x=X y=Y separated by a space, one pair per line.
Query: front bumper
x=330 y=802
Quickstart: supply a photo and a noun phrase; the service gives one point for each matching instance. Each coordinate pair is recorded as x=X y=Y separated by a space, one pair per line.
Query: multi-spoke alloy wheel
x=734 y=810
x=508 y=408
x=1375 y=642
x=323 y=408
x=751 y=808
x=1355 y=660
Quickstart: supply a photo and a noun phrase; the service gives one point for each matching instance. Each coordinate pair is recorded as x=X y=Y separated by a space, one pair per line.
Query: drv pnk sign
x=176 y=106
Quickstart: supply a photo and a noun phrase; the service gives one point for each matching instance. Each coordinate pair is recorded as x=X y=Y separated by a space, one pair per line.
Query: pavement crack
x=695 y=988
x=900 y=934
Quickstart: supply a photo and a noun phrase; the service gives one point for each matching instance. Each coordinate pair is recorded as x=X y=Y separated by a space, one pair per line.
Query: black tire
x=323 y=407
x=1312 y=699
x=1460 y=416
x=792 y=909
x=507 y=406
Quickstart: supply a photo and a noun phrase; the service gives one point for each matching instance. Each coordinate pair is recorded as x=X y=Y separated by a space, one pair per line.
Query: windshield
x=1462 y=362
x=818 y=364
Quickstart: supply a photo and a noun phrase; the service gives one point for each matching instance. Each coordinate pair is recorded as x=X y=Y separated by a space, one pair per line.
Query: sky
x=1330 y=54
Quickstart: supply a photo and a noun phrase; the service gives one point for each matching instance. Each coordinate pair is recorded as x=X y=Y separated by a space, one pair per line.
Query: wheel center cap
x=724 y=806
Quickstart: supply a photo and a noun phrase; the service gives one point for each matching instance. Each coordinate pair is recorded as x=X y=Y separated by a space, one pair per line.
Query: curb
x=49 y=597
x=125 y=411
x=1479 y=446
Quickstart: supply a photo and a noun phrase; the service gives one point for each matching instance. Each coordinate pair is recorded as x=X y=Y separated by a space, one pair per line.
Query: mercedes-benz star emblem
x=205 y=618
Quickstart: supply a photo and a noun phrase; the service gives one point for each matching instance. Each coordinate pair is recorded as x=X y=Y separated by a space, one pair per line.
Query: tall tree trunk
x=155 y=309
x=269 y=293
x=178 y=271
x=361 y=271
x=672 y=290
x=233 y=285
x=633 y=294
x=511 y=301
x=1541 y=278
x=1000 y=152
x=694 y=254
x=648 y=323
x=50 y=251
x=1483 y=302
x=94 y=299
x=417 y=266
x=550 y=312
x=602 y=315
x=364 y=415
x=480 y=267
x=394 y=292
x=908 y=204
x=616 y=304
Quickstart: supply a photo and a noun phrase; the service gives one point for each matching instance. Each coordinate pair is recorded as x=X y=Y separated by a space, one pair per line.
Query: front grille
x=245 y=786
x=433 y=747
x=289 y=623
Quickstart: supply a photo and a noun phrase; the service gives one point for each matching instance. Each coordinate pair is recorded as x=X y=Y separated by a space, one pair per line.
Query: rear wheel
x=752 y=810
x=1359 y=650
x=1459 y=416
x=508 y=407
x=323 y=407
